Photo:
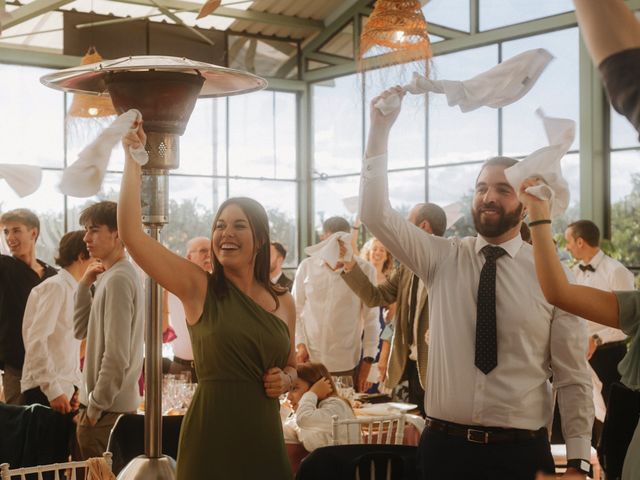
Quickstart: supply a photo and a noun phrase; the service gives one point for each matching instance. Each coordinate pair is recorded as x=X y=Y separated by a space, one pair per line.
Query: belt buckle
x=477 y=436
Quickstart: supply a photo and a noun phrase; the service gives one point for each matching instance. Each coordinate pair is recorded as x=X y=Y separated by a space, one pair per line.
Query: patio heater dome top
x=91 y=79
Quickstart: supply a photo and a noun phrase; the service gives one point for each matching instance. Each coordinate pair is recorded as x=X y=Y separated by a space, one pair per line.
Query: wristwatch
x=368 y=359
x=597 y=339
x=583 y=466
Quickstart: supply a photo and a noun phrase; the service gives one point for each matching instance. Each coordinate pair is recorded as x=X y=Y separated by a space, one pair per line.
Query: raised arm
x=590 y=303
x=178 y=275
x=372 y=295
x=607 y=26
x=413 y=247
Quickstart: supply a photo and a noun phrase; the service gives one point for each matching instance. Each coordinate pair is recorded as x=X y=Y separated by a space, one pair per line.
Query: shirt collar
x=596 y=260
x=512 y=247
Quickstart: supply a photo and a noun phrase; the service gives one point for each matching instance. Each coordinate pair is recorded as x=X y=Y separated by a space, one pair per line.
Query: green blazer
x=396 y=289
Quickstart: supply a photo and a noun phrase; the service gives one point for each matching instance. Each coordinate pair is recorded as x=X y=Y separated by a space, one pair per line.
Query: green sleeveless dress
x=232 y=430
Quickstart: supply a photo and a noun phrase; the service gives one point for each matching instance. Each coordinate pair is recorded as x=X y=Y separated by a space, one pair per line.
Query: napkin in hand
x=329 y=249
x=545 y=163
x=453 y=212
x=84 y=177
x=23 y=179
x=499 y=86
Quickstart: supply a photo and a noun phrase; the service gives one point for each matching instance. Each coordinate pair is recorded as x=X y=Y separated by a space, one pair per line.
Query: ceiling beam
x=31 y=10
x=248 y=15
x=328 y=58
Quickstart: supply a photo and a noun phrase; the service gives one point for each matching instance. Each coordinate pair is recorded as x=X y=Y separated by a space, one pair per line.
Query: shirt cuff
x=53 y=391
x=374 y=167
x=578 y=448
x=93 y=412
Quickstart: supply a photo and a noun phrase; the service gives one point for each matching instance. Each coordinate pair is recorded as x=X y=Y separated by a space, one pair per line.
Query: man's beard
x=504 y=223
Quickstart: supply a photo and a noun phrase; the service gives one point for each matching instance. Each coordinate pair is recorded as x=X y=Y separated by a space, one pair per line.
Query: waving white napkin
x=545 y=163
x=497 y=87
x=329 y=249
x=84 y=177
x=23 y=179
x=453 y=212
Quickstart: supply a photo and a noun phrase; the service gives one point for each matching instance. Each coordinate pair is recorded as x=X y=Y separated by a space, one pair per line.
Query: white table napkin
x=84 y=177
x=329 y=249
x=23 y=179
x=545 y=163
x=497 y=87
x=453 y=211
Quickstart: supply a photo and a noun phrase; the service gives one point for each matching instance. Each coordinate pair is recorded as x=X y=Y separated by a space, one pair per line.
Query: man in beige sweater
x=112 y=322
x=409 y=349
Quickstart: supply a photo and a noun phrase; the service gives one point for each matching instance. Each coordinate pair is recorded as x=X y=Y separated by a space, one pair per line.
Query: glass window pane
x=625 y=205
x=448 y=13
x=335 y=197
x=406 y=189
x=48 y=203
x=32 y=130
x=202 y=147
x=279 y=200
x=337 y=126
x=254 y=138
x=571 y=172
x=499 y=13
x=407 y=143
x=623 y=135
x=260 y=56
x=453 y=184
x=455 y=136
x=557 y=92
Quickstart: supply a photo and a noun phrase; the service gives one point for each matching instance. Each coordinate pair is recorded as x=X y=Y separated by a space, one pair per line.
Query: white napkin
x=84 y=177
x=329 y=249
x=545 y=163
x=23 y=179
x=497 y=87
x=351 y=204
x=453 y=211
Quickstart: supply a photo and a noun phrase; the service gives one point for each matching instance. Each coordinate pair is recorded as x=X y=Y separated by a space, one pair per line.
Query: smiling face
x=20 y=239
x=378 y=254
x=232 y=241
x=496 y=208
x=299 y=388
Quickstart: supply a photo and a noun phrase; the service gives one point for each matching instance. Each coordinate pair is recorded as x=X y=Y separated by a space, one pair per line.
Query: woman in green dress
x=613 y=309
x=242 y=331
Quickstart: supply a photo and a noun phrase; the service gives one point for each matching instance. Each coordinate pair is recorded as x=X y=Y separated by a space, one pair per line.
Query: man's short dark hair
x=101 y=213
x=586 y=230
x=335 y=225
x=21 y=215
x=71 y=247
x=433 y=214
x=280 y=249
x=505 y=162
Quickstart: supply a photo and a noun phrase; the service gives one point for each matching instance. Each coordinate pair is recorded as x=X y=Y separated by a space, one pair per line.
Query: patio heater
x=164 y=89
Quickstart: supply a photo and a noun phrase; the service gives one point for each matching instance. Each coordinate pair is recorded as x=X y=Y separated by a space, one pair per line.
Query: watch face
x=585 y=466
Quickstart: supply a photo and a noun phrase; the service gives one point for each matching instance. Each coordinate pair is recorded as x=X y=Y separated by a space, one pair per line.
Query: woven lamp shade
x=91 y=106
x=397 y=28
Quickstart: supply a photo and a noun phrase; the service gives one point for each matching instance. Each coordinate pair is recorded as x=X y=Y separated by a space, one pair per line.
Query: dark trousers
x=35 y=395
x=416 y=392
x=605 y=362
x=444 y=457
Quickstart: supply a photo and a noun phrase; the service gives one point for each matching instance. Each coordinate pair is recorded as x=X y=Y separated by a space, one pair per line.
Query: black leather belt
x=477 y=434
x=182 y=361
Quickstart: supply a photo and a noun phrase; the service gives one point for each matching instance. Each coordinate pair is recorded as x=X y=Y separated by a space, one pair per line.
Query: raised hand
x=322 y=388
x=91 y=274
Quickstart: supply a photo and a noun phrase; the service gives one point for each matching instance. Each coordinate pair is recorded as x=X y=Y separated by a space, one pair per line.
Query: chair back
x=56 y=471
x=387 y=430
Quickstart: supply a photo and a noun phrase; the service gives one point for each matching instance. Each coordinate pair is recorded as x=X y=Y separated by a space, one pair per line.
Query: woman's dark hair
x=259 y=223
x=312 y=372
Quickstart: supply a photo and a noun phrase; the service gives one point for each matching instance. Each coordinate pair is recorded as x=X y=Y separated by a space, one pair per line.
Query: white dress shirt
x=535 y=339
x=52 y=354
x=182 y=343
x=331 y=319
x=609 y=275
x=311 y=425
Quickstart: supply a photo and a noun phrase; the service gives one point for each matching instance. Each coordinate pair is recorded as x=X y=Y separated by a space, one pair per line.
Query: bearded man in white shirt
x=494 y=339
x=333 y=326
x=51 y=372
x=607 y=346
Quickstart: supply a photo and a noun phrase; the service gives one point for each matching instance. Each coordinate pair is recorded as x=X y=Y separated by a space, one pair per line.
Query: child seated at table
x=315 y=400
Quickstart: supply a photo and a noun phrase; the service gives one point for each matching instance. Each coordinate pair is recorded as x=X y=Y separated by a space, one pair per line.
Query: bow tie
x=586 y=267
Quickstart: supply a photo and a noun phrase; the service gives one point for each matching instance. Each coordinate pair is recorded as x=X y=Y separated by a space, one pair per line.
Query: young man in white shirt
x=112 y=321
x=494 y=341
x=607 y=346
x=51 y=372
x=333 y=325
x=199 y=253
